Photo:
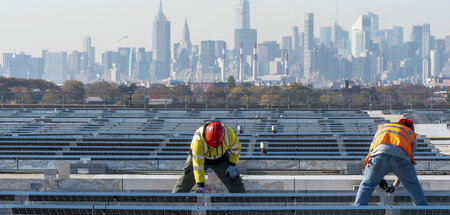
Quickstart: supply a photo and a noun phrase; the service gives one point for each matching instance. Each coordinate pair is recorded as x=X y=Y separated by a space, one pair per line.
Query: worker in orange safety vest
x=392 y=150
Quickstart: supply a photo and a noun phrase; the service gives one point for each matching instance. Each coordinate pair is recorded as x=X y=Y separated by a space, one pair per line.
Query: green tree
x=231 y=83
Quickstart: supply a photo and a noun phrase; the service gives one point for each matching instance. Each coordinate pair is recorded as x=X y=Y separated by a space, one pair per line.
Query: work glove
x=231 y=172
x=383 y=184
x=390 y=189
x=201 y=188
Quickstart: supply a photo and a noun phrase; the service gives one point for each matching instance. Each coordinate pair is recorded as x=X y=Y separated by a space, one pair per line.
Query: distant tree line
x=75 y=92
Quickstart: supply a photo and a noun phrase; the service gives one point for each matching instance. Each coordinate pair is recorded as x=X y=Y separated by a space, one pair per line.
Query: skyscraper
x=426 y=41
x=161 y=45
x=325 y=35
x=447 y=43
x=361 y=35
x=397 y=33
x=7 y=58
x=36 y=68
x=244 y=36
x=308 y=45
x=243 y=15
x=286 y=46
x=338 y=34
x=90 y=50
x=19 y=66
x=297 y=47
x=435 y=67
x=55 y=67
x=374 y=26
x=207 y=56
x=243 y=33
x=186 y=39
x=417 y=37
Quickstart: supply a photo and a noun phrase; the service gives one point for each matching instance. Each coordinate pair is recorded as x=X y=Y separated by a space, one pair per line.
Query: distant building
x=297 y=47
x=186 y=39
x=36 y=68
x=426 y=76
x=243 y=15
x=247 y=37
x=426 y=41
x=435 y=63
x=267 y=52
x=286 y=46
x=143 y=61
x=55 y=67
x=442 y=82
x=308 y=46
x=7 y=58
x=338 y=34
x=417 y=37
x=19 y=66
x=108 y=59
x=325 y=36
x=243 y=33
x=161 y=45
x=124 y=61
x=374 y=27
x=361 y=35
x=207 y=56
x=89 y=50
x=447 y=44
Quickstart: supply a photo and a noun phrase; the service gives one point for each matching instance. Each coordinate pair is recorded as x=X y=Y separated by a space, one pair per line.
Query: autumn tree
x=106 y=89
x=73 y=92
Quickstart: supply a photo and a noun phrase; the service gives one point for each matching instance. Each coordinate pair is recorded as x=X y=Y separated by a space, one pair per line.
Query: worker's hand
x=201 y=190
x=390 y=189
x=231 y=172
x=383 y=184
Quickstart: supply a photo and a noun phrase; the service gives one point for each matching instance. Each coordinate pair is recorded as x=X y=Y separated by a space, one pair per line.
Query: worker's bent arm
x=396 y=182
x=235 y=146
x=198 y=158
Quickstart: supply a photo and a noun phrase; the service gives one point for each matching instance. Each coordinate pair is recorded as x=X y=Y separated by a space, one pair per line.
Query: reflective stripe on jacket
x=201 y=151
x=395 y=134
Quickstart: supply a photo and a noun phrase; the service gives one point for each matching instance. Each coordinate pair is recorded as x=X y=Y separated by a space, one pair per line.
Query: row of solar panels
x=180 y=112
x=214 y=199
x=250 y=203
x=244 y=126
x=149 y=128
x=355 y=147
x=230 y=210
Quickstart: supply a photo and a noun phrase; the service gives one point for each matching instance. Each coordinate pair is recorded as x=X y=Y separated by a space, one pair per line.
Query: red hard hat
x=214 y=134
x=407 y=122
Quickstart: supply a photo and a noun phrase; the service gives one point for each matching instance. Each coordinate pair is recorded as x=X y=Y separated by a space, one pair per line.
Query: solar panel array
x=165 y=134
x=127 y=135
x=192 y=203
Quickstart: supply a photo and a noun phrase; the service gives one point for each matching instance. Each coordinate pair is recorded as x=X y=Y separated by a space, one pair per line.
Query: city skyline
x=58 y=26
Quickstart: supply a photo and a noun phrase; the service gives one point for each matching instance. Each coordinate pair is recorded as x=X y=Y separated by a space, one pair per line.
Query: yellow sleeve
x=198 y=159
x=235 y=145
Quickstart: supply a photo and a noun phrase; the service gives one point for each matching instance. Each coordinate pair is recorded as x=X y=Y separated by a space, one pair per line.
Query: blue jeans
x=382 y=164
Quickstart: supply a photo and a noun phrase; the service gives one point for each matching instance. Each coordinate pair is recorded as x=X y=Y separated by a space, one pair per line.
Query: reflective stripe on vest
x=395 y=134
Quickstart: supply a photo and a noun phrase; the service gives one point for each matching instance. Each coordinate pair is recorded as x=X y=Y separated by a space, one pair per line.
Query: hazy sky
x=61 y=25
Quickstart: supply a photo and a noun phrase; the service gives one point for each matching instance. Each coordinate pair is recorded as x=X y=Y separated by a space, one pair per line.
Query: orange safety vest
x=395 y=134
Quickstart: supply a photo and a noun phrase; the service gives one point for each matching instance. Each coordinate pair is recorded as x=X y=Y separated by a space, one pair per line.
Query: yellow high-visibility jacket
x=395 y=134
x=201 y=151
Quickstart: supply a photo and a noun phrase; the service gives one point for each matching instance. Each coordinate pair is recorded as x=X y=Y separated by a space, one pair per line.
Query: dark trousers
x=187 y=180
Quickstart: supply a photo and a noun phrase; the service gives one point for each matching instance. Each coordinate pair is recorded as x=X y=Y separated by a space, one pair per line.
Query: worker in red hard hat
x=392 y=150
x=217 y=147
